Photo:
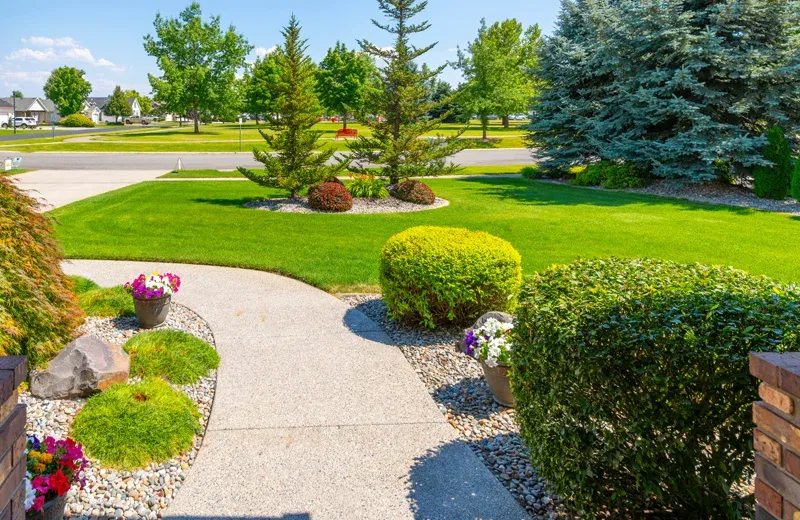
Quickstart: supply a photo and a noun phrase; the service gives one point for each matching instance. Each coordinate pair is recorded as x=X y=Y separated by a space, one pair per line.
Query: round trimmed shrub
x=436 y=275
x=77 y=120
x=131 y=426
x=632 y=381
x=330 y=196
x=38 y=311
x=415 y=192
x=173 y=355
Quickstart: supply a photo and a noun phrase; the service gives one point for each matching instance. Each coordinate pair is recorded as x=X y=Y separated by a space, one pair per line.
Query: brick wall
x=777 y=435
x=13 y=370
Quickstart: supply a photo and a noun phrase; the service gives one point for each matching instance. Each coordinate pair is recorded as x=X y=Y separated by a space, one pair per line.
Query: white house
x=95 y=106
x=41 y=109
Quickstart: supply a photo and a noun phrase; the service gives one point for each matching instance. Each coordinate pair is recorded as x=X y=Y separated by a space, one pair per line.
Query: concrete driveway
x=56 y=188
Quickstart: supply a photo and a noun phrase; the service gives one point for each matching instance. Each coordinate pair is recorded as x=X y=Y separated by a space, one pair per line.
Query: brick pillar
x=777 y=435
x=13 y=370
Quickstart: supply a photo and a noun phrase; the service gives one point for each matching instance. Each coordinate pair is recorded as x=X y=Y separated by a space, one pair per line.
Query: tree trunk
x=484 y=124
x=196 y=119
x=180 y=121
x=344 y=120
x=505 y=121
x=256 y=119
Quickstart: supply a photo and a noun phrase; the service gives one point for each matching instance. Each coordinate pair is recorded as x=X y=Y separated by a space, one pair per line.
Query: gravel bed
x=711 y=192
x=110 y=493
x=456 y=383
x=360 y=206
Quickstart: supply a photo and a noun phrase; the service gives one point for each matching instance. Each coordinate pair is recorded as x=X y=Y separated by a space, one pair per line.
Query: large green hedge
x=632 y=382
x=38 y=313
x=435 y=275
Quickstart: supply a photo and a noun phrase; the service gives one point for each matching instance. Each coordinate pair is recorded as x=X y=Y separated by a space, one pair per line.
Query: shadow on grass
x=230 y=203
x=546 y=193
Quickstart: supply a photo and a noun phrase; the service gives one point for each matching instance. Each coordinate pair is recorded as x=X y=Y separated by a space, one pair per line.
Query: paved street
x=219 y=161
x=61 y=132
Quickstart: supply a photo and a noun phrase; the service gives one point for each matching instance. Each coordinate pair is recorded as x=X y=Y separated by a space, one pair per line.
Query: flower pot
x=53 y=509
x=152 y=313
x=497 y=379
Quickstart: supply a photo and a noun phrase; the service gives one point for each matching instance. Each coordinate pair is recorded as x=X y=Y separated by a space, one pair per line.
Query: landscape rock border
x=142 y=493
x=361 y=206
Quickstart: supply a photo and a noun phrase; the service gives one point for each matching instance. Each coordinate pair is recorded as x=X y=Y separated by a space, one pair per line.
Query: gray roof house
x=39 y=108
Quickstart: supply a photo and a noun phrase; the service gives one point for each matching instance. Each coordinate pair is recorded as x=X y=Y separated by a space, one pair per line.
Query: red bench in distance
x=347 y=132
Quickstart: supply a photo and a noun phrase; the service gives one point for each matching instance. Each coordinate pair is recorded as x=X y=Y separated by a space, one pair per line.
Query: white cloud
x=68 y=50
x=44 y=41
x=452 y=49
x=262 y=51
x=26 y=54
x=38 y=77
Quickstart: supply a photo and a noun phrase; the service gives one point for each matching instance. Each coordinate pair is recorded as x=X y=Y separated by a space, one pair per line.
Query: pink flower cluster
x=155 y=285
x=52 y=467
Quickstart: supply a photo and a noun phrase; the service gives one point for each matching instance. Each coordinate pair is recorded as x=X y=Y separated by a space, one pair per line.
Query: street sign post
x=53 y=124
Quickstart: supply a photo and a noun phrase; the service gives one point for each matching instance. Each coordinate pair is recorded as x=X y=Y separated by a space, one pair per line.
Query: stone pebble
x=360 y=206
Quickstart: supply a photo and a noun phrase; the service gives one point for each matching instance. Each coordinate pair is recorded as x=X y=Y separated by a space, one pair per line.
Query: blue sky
x=105 y=38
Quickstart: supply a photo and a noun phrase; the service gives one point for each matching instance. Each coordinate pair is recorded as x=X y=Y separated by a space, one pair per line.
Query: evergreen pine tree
x=773 y=181
x=300 y=160
x=401 y=103
x=673 y=85
x=796 y=180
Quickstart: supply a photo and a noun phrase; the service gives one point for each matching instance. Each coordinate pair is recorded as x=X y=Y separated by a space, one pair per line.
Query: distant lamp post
x=14 y=115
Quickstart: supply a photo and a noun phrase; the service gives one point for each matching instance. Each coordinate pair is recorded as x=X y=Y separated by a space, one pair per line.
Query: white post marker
x=240 y=134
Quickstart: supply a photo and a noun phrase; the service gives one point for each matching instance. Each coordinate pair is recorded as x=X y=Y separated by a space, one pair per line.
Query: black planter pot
x=152 y=313
x=53 y=509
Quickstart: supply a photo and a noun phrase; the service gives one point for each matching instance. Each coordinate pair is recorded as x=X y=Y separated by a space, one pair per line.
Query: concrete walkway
x=56 y=188
x=317 y=415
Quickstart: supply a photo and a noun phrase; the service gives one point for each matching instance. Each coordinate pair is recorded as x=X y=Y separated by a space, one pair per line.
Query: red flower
x=59 y=482
x=40 y=483
x=38 y=503
x=66 y=463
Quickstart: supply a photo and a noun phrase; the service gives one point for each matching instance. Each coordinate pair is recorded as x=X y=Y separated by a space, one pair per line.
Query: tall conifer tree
x=402 y=103
x=300 y=161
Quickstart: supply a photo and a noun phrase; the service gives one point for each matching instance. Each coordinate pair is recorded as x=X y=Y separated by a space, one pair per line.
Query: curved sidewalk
x=316 y=415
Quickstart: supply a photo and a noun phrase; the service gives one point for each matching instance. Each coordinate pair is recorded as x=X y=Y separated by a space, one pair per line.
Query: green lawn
x=204 y=222
x=225 y=138
x=217 y=174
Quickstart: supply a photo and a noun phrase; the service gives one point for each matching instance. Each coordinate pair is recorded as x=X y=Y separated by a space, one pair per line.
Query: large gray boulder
x=502 y=317
x=86 y=366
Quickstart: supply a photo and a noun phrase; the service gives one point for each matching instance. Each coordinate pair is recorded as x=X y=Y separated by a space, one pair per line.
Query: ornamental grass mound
x=415 y=192
x=77 y=120
x=173 y=355
x=38 y=311
x=632 y=381
x=330 y=196
x=102 y=302
x=131 y=426
x=443 y=275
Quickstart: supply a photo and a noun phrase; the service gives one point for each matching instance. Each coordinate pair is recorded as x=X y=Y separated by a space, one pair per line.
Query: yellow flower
x=46 y=458
x=35 y=454
x=39 y=467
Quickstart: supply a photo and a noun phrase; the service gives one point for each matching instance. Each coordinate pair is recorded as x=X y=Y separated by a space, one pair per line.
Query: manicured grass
x=131 y=426
x=102 y=302
x=169 y=354
x=204 y=222
x=217 y=174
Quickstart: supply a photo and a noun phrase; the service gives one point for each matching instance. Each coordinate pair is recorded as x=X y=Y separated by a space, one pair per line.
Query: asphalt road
x=217 y=161
x=42 y=134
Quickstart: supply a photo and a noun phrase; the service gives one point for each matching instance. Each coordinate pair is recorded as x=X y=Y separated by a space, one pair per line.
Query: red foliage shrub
x=414 y=191
x=38 y=311
x=329 y=196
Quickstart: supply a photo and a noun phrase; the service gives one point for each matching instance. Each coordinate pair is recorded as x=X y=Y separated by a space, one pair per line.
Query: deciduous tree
x=198 y=61
x=260 y=86
x=344 y=78
x=67 y=88
x=300 y=160
x=17 y=94
x=400 y=103
x=497 y=67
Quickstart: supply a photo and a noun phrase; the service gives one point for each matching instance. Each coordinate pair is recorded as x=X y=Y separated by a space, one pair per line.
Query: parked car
x=137 y=119
x=24 y=122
